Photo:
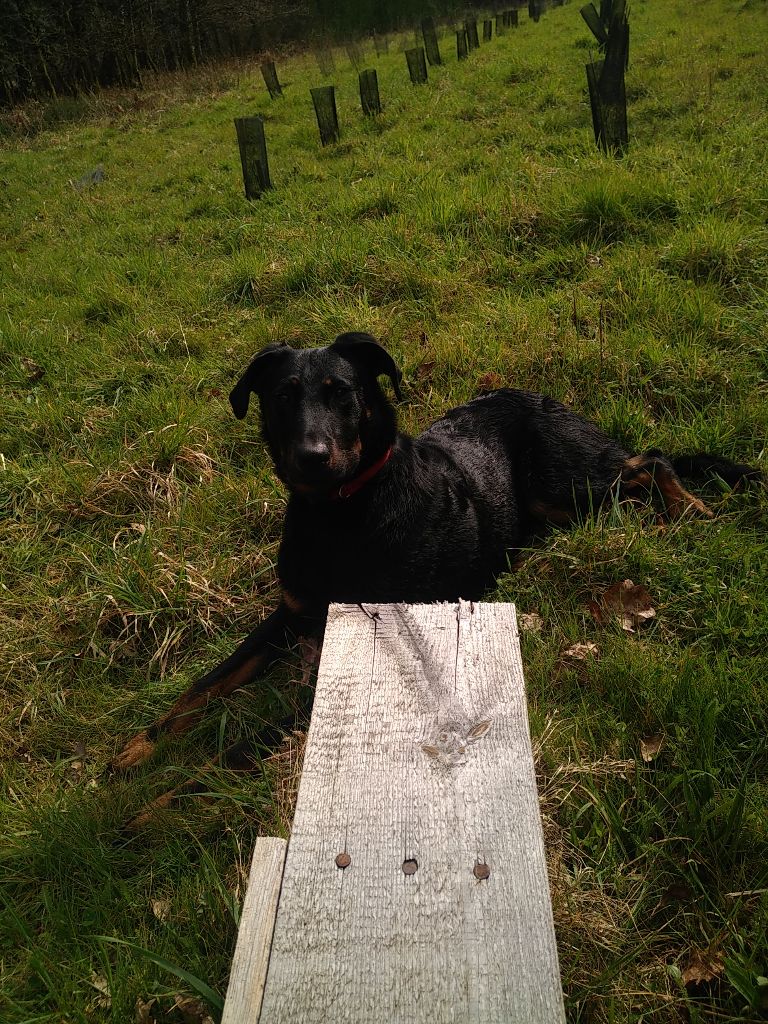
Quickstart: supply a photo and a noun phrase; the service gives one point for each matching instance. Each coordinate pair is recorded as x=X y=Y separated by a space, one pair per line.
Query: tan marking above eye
x=292 y=602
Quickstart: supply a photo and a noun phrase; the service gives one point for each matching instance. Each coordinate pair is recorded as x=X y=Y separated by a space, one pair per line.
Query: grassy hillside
x=475 y=229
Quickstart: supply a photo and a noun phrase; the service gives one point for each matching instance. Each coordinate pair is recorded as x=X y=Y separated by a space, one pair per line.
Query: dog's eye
x=343 y=397
x=286 y=392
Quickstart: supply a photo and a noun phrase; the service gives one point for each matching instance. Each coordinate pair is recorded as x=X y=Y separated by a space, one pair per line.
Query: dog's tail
x=737 y=475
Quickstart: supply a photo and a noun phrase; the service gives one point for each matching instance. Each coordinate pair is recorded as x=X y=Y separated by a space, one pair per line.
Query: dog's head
x=324 y=416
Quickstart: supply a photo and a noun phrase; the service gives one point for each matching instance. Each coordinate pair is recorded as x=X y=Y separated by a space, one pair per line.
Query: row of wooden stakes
x=250 y=130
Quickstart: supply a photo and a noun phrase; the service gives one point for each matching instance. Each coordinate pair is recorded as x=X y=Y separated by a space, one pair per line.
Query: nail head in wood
x=481 y=871
x=410 y=867
x=343 y=860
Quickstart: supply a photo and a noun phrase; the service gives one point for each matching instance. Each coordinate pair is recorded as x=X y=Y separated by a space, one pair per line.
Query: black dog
x=376 y=516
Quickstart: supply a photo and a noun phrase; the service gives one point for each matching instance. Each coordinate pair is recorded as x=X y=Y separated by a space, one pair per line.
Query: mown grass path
x=475 y=229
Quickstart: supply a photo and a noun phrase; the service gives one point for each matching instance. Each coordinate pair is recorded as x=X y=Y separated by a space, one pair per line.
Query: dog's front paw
x=699 y=508
x=688 y=506
x=149 y=812
x=135 y=752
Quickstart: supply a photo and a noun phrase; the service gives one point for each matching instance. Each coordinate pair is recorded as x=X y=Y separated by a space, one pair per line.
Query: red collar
x=353 y=486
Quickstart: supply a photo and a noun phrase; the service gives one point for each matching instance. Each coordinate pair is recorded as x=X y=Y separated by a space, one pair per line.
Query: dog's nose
x=312 y=454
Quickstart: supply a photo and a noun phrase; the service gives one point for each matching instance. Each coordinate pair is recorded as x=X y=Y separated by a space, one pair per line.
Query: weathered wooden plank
x=418 y=751
x=257 y=922
x=462 y=46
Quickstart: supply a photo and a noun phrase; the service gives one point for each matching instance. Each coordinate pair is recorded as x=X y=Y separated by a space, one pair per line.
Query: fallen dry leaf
x=144 y=1013
x=703 y=966
x=490 y=382
x=627 y=602
x=424 y=370
x=651 y=745
x=161 y=909
x=193 y=1011
x=34 y=372
x=530 y=622
x=580 y=652
x=103 y=1001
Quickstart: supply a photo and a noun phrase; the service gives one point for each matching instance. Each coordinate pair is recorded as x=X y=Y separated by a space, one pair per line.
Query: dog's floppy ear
x=365 y=350
x=240 y=395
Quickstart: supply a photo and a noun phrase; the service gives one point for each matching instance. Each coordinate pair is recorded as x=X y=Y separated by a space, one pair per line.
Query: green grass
x=475 y=229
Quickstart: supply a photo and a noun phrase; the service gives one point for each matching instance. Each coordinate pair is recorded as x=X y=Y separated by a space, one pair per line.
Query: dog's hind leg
x=649 y=473
x=736 y=474
x=239 y=757
x=253 y=657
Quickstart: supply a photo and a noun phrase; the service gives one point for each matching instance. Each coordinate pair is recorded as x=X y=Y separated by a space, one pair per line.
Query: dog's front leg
x=253 y=657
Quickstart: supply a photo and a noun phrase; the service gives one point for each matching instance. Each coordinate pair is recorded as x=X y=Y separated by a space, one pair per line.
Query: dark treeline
x=349 y=17
x=53 y=47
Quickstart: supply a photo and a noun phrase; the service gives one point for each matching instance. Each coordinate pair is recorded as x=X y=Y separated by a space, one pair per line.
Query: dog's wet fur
x=377 y=516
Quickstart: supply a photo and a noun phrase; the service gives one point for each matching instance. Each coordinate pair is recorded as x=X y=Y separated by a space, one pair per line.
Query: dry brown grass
x=146 y=485
x=285 y=769
x=597 y=925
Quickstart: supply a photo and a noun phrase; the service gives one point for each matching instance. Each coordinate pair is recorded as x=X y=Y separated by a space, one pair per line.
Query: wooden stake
x=253 y=155
x=324 y=99
x=369 y=93
x=355 y=55
x=269 y=74
x=380 y=44
x=487 y=30
x=429 y=33
x=470 y=27
x=325 y=61
x=593 y=76
x=462 y=50
x=417 y=65
x=597 y=28
x=613 y=99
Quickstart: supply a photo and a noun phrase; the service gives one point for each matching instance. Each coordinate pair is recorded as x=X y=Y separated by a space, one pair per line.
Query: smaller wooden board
x=254 y=940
